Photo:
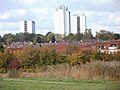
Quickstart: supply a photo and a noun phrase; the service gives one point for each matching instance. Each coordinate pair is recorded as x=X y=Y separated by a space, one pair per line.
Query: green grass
x=56 y=84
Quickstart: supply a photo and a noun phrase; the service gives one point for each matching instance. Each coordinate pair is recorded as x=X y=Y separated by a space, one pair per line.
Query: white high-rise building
x=78 y=23
x=82 y=23
x=62 y=22
x=75 y=24
x=27 y=26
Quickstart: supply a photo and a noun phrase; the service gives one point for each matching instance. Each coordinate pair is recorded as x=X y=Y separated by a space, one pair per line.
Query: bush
x=28 y=56
x=5 y=57
x=74 y=59
x=79 y=57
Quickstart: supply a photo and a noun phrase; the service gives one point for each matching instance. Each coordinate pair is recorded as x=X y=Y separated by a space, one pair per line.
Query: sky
x=100 y=14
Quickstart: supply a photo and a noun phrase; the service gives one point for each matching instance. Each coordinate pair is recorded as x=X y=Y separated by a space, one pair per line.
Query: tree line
x=101 y=35
x=51 y=37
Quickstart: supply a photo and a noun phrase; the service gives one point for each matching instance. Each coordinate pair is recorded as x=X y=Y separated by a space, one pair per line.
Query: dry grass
x=97 y=70
x=90 y=71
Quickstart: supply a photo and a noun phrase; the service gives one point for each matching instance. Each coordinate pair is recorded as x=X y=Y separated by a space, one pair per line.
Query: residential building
x=78 y=23
x=62 y=21
x=75 y=24
x=27 y=26
x=82 y=23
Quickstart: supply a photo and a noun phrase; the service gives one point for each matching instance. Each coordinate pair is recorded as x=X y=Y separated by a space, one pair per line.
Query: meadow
x=56 y=84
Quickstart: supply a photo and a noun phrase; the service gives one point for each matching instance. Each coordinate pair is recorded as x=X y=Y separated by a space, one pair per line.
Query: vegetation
x=50 y=37
x=21 y=37
x=38 y=38
x=39 y=59
x=100 y=65
x=4 y=58
x=1 y=47
x=28 y=56
x=88 y=34
x=107 y=35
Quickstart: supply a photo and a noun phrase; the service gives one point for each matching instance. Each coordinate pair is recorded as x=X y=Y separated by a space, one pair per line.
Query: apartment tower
x=62 y=21
x=78 y=23
x=27 y=26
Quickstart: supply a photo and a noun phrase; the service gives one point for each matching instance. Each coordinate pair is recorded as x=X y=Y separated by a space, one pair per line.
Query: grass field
x=56 y=84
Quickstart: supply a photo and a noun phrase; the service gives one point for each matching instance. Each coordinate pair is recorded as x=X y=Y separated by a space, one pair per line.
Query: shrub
x=28 y=56
x=74 y=59
x=79 y=57
x=5 y=57
x=44 y=56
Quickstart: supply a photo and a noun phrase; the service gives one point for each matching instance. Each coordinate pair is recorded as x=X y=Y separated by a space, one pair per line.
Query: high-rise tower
x=62 y=21
x=82 y=23
x=27 y=26
x=78 y=23
x=75 y=24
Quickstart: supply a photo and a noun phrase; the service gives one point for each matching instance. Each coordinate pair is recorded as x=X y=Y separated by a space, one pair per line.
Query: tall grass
x=97 y=70
x=13 y=73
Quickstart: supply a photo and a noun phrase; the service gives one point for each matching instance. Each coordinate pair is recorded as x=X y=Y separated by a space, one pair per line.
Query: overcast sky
x=101 y=14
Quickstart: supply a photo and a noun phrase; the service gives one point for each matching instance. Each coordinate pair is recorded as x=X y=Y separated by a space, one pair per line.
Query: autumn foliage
x=30 y=58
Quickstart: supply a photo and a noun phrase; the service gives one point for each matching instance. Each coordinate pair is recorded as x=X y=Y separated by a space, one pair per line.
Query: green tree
x=88 y=34
x=116 y=36
x=9 y=38
x=37 y=39
x=58 y=37
x=104 y=35
x=20 y=37
x=70 y=36
x=51 y=37
x=9 y=41
x=78 y=36
x=43 y=38
x=47 y=33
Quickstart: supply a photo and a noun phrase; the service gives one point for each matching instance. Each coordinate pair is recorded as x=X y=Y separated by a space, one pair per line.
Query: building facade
x=75 y=24
x=78 y=23
x=62 y=21
x=82 y=23
x=27 y=26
